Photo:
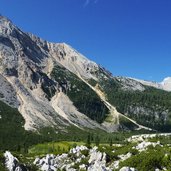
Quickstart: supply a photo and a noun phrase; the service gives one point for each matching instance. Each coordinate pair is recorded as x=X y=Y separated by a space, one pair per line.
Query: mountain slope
x=27 y=65
x=53 y=85
x=145 y=104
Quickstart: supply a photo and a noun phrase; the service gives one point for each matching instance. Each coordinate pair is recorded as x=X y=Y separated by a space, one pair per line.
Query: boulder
x=12 y=163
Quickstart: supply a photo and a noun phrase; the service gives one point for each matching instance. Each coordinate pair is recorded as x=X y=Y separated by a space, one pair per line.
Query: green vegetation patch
x=126 y=124
x=12 y=133
x=54 y=147
x=158 y=157
x=164 y=140
x=83 y=97
x=2 y=161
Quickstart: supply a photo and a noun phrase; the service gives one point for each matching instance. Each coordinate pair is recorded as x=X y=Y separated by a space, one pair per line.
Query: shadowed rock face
x=7 y=42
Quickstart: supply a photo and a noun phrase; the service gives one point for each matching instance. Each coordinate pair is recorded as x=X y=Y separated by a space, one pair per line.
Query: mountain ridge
x=52 y=84
x=164 y=85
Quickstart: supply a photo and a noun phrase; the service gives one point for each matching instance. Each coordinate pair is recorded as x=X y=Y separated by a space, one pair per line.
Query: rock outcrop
x=12 y=163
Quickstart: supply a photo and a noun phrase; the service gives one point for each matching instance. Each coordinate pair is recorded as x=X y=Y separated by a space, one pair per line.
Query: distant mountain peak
x=164 y=85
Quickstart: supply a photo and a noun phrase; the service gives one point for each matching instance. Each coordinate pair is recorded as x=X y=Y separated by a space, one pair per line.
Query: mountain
x=53 y=85
x=27 y=63
x=164 y=85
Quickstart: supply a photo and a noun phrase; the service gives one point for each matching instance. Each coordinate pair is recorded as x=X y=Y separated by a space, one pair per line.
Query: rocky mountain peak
x=4 y=19
x=6 y=26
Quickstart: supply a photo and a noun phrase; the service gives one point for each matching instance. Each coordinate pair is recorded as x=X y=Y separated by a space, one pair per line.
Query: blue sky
x=128 y=37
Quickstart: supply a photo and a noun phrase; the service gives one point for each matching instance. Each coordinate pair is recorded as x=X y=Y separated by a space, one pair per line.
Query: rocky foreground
x=79 y=158
x=82 y=158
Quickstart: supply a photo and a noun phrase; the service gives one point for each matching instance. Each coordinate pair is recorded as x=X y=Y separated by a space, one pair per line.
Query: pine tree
x=97 y=140
x=88 y=141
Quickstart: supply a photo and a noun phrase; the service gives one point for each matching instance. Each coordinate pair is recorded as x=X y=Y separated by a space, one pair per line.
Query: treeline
x=12 y=134
x=14 y=137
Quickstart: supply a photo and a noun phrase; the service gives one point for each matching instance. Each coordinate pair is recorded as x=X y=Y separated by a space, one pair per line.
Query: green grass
x=53 y=147
x=57 y=147
x=109 y=118
x=74 y=137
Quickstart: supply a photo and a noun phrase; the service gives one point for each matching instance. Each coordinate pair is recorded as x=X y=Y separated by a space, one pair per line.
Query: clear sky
x=128 y=37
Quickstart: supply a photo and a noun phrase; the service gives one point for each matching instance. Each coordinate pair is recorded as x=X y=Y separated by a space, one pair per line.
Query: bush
x=2 y=161
x=148 y=160
x=85 y=152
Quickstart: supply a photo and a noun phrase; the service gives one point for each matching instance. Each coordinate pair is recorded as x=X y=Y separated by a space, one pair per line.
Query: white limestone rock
x=143 y=145
x=78 y=149
x=125 y=157
x=128 y=169
x=97 y=160
x=143 y=137
x=82 y=167
x=12 y=163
